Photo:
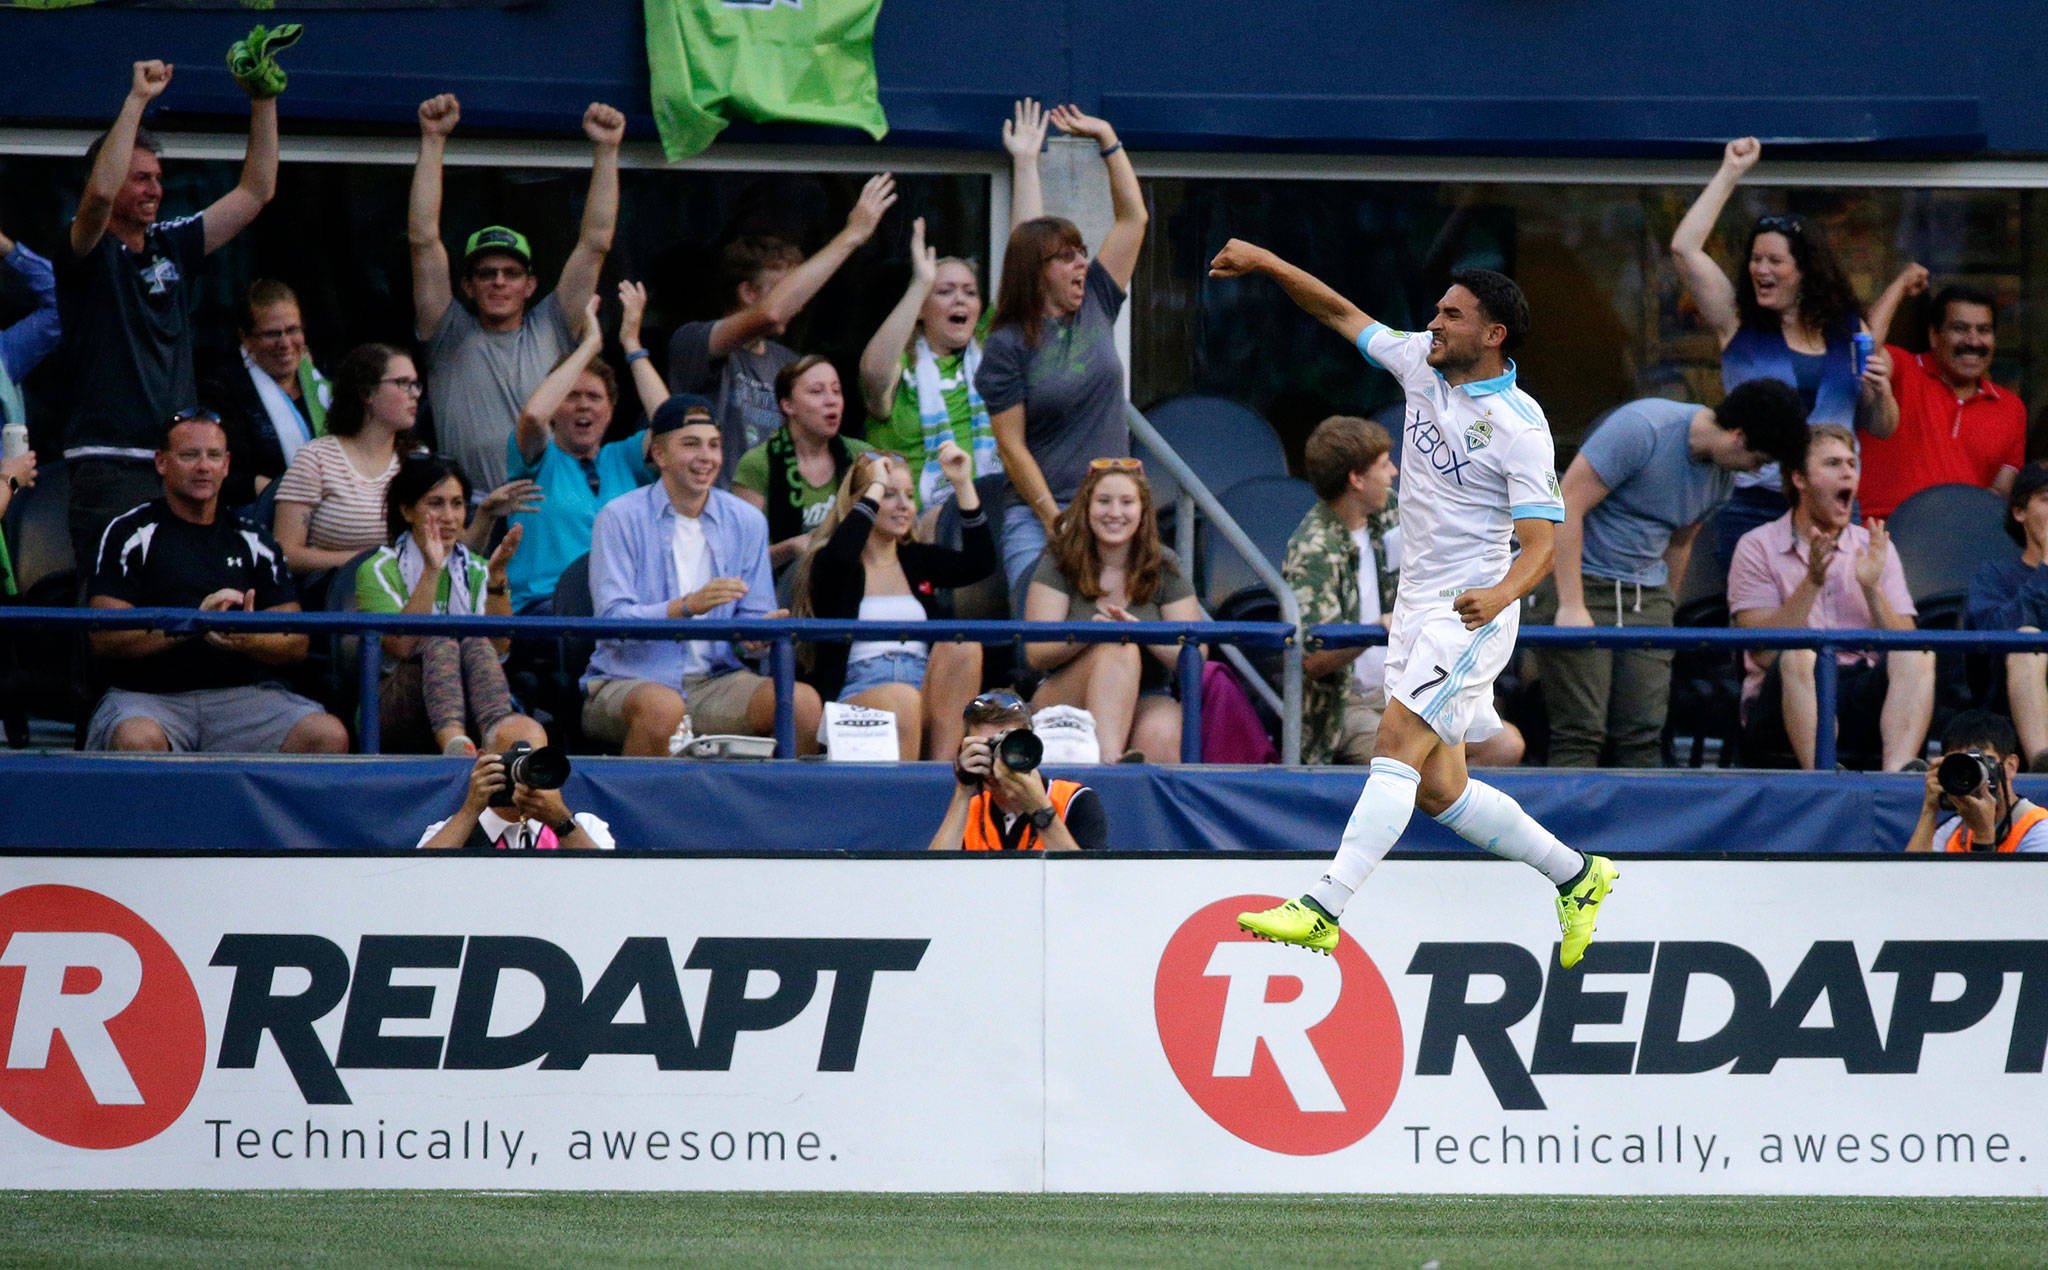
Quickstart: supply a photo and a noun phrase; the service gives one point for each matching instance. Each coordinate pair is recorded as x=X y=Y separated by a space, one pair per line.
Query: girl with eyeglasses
x=330 y=501
x=1105 y=563
x=1788 y=314
x=863 y=563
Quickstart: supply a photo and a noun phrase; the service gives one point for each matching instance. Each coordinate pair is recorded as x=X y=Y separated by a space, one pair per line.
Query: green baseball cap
x=497 y=240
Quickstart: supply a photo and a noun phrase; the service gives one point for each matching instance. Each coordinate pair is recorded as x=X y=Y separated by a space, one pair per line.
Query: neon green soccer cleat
x=1292 y=923
x=1579 y=908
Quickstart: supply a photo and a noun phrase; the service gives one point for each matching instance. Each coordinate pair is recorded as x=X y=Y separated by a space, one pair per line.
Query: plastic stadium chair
x=562 y=695
x=43 y=674
x=1269 y=508
x=1221 y=440
x=1706 y=689
x=1704 y=578
x=343 y=651
x=1944 y=534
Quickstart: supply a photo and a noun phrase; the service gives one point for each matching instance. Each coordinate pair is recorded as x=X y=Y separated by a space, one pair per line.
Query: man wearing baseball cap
x=2012 y=595
x=483 y=364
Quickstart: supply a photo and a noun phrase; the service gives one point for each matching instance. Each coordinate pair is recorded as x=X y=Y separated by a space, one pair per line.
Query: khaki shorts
x=717 y=705
x=1361 y=727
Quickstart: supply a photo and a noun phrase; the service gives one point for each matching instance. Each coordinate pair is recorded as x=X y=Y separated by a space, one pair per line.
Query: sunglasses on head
x=1116 y=465
x=193 y=414
x=996 y=702
x=1780 y=225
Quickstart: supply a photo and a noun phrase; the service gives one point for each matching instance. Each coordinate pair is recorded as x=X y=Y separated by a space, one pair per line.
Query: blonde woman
x=864 y=564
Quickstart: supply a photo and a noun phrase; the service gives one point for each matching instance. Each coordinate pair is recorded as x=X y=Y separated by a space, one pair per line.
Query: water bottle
x=13 y=439
x=1864 y=344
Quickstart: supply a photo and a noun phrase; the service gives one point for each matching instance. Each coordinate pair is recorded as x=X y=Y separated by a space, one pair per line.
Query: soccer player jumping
x=1477 y=469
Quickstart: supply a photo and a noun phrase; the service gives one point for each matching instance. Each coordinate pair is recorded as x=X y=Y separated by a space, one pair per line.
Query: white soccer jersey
x=1474 y=459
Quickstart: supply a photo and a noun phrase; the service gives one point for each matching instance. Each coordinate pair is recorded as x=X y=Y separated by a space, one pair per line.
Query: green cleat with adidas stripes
x=1295 y=922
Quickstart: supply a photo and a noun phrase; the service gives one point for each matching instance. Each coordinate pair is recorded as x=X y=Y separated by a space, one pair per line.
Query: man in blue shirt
x=1634 y=499
x=28 y=341
x=679 y=549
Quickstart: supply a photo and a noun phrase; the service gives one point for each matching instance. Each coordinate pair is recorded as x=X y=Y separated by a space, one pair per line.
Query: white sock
x=1381 y=814
x=1485 y=817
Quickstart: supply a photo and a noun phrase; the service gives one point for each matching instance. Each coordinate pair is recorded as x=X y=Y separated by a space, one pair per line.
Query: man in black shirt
x=207 y=692
x=127 y=313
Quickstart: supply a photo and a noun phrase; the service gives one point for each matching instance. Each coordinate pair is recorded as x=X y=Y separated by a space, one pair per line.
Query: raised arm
x=432 y=288
x=881 y=362
x=110 y=169
x=1240 y=258
x=606 y=128
x=647 y=381
x=1583 y=490
x=1024 y=138
x=539 y=412
x=1126 y=236
x=772 y=313
x=1912 y=281
x=1710 y=288
x=235 y=210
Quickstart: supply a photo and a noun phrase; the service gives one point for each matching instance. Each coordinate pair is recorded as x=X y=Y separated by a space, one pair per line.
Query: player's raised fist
x=1237 y=259
x=1741 y=154
x=151 y=78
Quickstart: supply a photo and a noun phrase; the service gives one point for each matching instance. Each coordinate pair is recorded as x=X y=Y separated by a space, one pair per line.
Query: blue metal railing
x=782 y=634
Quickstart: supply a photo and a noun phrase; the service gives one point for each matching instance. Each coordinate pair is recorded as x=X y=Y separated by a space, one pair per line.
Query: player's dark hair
x=1771 y=418
x=1982 y=730
x=1502 y=301
x=1957 y=293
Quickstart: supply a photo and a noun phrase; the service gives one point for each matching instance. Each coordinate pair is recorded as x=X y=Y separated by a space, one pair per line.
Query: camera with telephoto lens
x=544 y=768
x=1019 y=749
x=1965 y=772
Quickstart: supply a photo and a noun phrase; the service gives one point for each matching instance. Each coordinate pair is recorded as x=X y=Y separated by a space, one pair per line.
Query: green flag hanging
x=791 y=61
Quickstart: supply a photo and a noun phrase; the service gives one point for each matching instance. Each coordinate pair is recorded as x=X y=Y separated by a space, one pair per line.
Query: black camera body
x=1966 y=771
x=544 y=768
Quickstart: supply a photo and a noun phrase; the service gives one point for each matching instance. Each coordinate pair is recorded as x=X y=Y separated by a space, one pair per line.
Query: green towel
x=253 y=62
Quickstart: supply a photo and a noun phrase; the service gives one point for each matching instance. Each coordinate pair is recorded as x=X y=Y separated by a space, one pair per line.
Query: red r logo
x=102 y=1040
x=1291 y=1052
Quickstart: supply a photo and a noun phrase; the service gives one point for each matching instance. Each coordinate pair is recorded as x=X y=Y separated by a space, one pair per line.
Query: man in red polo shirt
x=1955 y=425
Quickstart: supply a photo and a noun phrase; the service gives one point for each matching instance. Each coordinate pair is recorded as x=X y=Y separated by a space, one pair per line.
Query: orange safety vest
x=1960 y=839
x=983 y=834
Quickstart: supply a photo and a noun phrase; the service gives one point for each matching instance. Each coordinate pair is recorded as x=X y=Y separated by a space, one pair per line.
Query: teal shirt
x=558 y=530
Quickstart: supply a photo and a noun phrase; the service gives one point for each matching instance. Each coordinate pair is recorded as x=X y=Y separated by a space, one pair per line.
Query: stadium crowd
x=993 y=451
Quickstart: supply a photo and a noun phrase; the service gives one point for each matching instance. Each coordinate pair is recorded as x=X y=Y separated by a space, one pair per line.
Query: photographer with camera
x=515 y=804
x=1973 y=784
x=1001 y=802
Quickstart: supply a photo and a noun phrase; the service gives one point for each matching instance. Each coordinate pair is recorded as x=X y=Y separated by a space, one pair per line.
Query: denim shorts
x=889 y=668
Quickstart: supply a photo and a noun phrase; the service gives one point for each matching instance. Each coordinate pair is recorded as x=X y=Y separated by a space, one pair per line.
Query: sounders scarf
x=314 y=389
x=936 y=421
x=253 y=62
x=412 y=564
x=786 y=484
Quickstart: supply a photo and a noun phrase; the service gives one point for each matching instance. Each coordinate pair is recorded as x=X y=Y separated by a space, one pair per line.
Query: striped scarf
x=936 y=421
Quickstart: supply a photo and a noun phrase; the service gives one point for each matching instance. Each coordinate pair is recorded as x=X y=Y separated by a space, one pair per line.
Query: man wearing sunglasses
x=997 y=807
x=482 y=365
x=1479 y=471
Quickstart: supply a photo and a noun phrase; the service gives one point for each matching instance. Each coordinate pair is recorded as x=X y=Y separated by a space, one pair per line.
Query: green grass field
x=447 y=1228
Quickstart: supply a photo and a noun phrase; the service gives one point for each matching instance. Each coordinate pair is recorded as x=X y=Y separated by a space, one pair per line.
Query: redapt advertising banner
x=1017 y=1024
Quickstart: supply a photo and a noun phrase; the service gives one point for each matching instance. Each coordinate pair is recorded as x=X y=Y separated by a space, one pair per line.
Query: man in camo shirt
x=1343 y=562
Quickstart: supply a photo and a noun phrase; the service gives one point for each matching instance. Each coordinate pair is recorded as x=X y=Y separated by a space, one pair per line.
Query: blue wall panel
x=59 y=800
x=1502 y=76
